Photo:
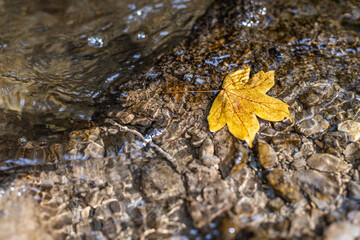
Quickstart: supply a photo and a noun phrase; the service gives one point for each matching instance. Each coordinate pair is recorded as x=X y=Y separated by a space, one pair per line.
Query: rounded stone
x=159 y=181
x=327 y=163
x=342 y=230
x=267 y=155
x=284 y=185
x=317 y=184
x=351 y=127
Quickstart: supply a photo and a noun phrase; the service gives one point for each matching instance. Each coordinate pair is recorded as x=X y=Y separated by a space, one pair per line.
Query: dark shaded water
x=59 y=59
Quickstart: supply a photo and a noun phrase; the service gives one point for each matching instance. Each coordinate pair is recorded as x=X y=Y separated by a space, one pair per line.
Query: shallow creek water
x=60 y=60
x=91 y=148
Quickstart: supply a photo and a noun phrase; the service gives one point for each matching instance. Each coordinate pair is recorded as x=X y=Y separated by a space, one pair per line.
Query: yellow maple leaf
x=241 y=99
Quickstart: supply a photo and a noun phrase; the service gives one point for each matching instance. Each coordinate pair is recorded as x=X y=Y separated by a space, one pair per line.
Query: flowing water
x=59 y=60
x=90 y=147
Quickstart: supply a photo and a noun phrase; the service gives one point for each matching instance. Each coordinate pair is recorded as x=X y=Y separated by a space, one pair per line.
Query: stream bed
x=91 y=147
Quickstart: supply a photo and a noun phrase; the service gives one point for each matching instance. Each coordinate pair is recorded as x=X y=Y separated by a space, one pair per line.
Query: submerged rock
x=233 y=155
x=159 y=181
x=285 y=141
x=351 y=127
x=307 y=147
x=267 y=155
x=197 y=137
x=317 y=93
x=342 y=230
x=284 y=185
x=327 y=163
x=141 y=192
x=312 y=126
x=299 y=161
x=354 y=190
x=208 y=194
x=276 y=204
x=352 y=152
x=206 y=153
x=335 y=142
x=318 y=185
x=125 y=117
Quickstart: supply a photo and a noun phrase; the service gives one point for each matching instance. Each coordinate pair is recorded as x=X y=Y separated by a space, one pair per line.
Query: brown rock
x=284 y=185
x=312 y=126
x=159 y=181
x=284 y=141
x=307 y=147
x=351 y=127
x=299 y=161
x=327 y=163
x=316 y=184
x=354 y=190
x=124 y=117
x=94 y=199
x=206 y=153
x=275 y=204
x=267 y=155
x=352 y=152
x=317 y=93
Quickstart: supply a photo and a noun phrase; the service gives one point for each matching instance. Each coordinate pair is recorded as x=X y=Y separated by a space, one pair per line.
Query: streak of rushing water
x=59 y=58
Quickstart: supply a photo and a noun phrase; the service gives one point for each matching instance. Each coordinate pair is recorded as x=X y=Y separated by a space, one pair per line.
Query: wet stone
x=335 y=142
x=206 y=153
x=354 y=190
x=81 y=190
x=267 y=155
x=94 y=235
x=299 y=161
x=102 y=212
x=283 y=126
x=356 y=175
x=197 y=137
x=342 y=230
x=172 y=132
x=244 y=208
x=354 y=217
x=94 y=199
x=284 y=185
x=316 y=93
x=352 y=128
x=285 y=141
x=109 y=228
x=83 y=227
x=352 y=152
x=327 y=163
x=307 y=147
x=85 y=213
x=276 y=204
x=125 y=117
x=312 y=126
x=142 y=121
x=224 y=145
x=233 y=155
x=209 y=194
x=318 y=185
x=62 y=220
x=248 y=182
x=94 y=150
x=159 y=181
x=207 y=148
x=115 y=206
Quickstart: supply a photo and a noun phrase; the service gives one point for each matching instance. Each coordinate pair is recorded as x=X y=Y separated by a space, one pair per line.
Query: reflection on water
x=59 y=58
